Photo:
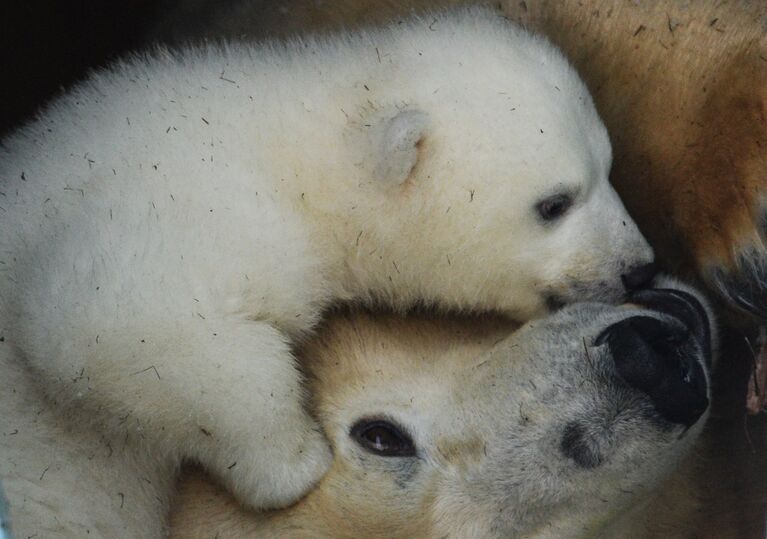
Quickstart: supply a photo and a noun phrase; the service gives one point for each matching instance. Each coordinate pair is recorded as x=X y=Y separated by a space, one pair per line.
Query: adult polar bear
x=170 y=226
x=455 y=429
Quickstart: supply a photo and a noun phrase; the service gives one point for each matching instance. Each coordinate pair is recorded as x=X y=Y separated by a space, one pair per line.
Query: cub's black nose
x=661 y=359
x=639 y=276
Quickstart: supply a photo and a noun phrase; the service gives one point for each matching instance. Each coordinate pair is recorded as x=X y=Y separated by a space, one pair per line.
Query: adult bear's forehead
x=354 y=346
x=351 y=346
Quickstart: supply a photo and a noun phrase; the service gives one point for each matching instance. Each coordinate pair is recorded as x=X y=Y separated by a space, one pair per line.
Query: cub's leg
x=224 y=392
x=259 y=440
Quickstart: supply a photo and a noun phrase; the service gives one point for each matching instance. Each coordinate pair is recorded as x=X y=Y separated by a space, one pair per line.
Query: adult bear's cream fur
x=495 y=420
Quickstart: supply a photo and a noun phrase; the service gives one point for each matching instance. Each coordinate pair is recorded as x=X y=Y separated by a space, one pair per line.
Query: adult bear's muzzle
x=660 y=356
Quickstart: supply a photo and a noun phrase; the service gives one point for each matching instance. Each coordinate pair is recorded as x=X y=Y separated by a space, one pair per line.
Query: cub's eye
x=382 y=438
x=554 y=207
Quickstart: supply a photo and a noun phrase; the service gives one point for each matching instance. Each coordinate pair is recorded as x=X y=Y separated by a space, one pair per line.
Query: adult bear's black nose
x=639 y=276
x=661 y=358
x=684 y=307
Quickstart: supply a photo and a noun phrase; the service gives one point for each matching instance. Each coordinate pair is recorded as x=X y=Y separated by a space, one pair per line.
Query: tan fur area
x=462 y=451
x=205 y=510
x=348 y=344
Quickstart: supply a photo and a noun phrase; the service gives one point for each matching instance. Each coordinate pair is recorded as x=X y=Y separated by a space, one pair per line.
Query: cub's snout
x=662 y=357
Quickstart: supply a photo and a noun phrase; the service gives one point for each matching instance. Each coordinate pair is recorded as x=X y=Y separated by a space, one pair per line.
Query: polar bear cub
x=173 y=224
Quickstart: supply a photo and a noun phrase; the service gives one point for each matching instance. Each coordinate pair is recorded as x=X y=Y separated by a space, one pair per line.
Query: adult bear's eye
x=382 y=438
x=554 y=207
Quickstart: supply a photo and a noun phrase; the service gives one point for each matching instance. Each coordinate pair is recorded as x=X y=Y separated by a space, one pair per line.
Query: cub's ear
x=395 y=145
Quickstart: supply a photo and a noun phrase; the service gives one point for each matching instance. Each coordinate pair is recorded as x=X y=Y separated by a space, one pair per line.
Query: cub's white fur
x=170 y=226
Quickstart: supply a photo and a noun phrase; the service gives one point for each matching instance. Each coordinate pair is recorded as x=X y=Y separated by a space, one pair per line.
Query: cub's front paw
x=278 y=468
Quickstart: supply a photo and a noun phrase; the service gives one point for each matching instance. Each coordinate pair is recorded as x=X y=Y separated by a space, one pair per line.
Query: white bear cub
x=173 y=224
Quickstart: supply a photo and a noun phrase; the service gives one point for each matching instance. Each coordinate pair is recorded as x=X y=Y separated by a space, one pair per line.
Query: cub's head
x=488 y=165
x=457 y=428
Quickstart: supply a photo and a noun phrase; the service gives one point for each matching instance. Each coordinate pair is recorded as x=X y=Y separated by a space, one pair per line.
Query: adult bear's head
x=463 y=429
